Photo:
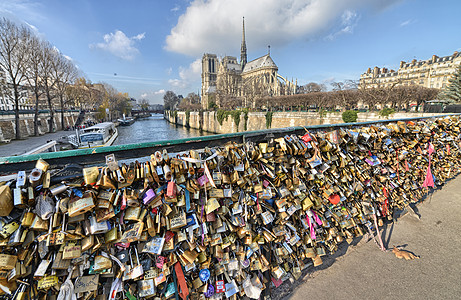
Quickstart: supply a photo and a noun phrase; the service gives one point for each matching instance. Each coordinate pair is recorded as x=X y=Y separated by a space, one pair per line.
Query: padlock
x=101 y=263
x=148 y=196
x=88 y=242
x=35 y=177
x=171 y=190
x=90 y=175
x=27 y=219
x=79 y=206
x=98 y=227
x=71 y=250
x=132 y=213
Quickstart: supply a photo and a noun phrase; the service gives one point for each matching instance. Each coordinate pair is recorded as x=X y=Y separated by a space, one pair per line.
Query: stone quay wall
x=207 y=121
x=26 y=123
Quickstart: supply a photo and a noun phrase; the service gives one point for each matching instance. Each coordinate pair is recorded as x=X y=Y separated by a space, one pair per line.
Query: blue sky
x=156 y=46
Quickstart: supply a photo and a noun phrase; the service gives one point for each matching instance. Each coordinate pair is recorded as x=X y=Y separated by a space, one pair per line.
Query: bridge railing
x=141 y=151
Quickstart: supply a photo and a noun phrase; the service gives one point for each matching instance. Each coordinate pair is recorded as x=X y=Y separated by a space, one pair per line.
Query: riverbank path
x=19 y=147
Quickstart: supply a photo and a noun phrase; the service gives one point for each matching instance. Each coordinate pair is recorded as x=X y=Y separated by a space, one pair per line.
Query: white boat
x=126 y=121
x=99 y=135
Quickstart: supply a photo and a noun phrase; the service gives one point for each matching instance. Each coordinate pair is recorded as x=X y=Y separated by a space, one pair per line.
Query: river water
x=153 y=128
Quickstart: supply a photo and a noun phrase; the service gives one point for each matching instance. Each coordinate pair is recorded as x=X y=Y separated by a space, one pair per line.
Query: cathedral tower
x=243 y=47
x=209 y=74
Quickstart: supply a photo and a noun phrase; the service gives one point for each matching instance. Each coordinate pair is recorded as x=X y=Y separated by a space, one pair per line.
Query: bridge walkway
x=363 y=271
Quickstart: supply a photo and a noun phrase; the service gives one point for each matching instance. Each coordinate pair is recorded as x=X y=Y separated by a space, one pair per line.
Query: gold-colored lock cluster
x=226 y=221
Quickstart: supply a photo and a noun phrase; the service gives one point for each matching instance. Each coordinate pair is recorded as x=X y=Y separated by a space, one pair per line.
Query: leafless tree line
x=191 y=102
x=28 y=62
x=98 y=96
x=343 y=97
x=234 y=92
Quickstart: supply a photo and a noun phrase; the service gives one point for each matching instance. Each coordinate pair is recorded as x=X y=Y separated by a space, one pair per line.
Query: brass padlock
x=102 y=263
x=78 y=206
x=132 y=213
x=88 y=242
x=90 y=175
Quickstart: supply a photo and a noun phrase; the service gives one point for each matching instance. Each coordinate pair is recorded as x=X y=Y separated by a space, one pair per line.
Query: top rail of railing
x=94 y=156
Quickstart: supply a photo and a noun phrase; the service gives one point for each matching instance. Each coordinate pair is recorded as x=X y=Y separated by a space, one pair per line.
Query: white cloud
x=187 y=75
x=119 y=44
x=176 y=8
x=16 y=18
x=153 y=96
x=19 y=10
x=177 y=83
x=139 y=36
x=192 y=71
x=215 y=26
x=35 y=29
x=407 y=22
x=349 y=20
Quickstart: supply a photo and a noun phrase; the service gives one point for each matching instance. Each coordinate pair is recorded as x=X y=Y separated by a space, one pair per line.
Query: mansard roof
x=261 y=62
x=234 y=67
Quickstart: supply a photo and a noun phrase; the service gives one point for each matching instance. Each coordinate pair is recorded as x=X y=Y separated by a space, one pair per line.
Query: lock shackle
x=136 y=253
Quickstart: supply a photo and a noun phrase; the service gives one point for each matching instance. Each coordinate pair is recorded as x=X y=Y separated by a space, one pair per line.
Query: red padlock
x=171 y=190
x=220 y=287
x=123 y=202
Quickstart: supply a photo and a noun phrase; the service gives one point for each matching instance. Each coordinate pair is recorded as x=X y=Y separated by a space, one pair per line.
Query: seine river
x=152 y=129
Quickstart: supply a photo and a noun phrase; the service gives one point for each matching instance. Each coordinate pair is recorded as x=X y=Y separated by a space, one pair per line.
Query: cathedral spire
x=243 y=47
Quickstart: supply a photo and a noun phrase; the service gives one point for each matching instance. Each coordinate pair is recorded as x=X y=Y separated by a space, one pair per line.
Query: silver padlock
x=98 y=227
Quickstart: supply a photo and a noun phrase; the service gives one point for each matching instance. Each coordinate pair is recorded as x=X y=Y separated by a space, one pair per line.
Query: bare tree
x=48 y=80
x=312 y=87
x=254 y=88
x=191 y=102
x=170 y=100
x=78 y=92
x=14 y=52
x=144 y=104
x=34 y=78
x=64 y=73
x=345 y=94
x=227 y=87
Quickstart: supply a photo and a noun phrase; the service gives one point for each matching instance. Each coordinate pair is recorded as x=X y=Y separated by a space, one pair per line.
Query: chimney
x=369 y=71
x=455 y=54
x=434 y=58
x=375 y=71
x=413 y=61
x=401 y=64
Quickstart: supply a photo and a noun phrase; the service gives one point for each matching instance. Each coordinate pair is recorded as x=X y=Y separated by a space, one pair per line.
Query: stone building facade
x=227 y=77
x=7 y=94
x=431 y=73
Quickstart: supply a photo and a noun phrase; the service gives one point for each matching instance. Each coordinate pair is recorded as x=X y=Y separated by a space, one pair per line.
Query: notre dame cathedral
x=227 y=78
